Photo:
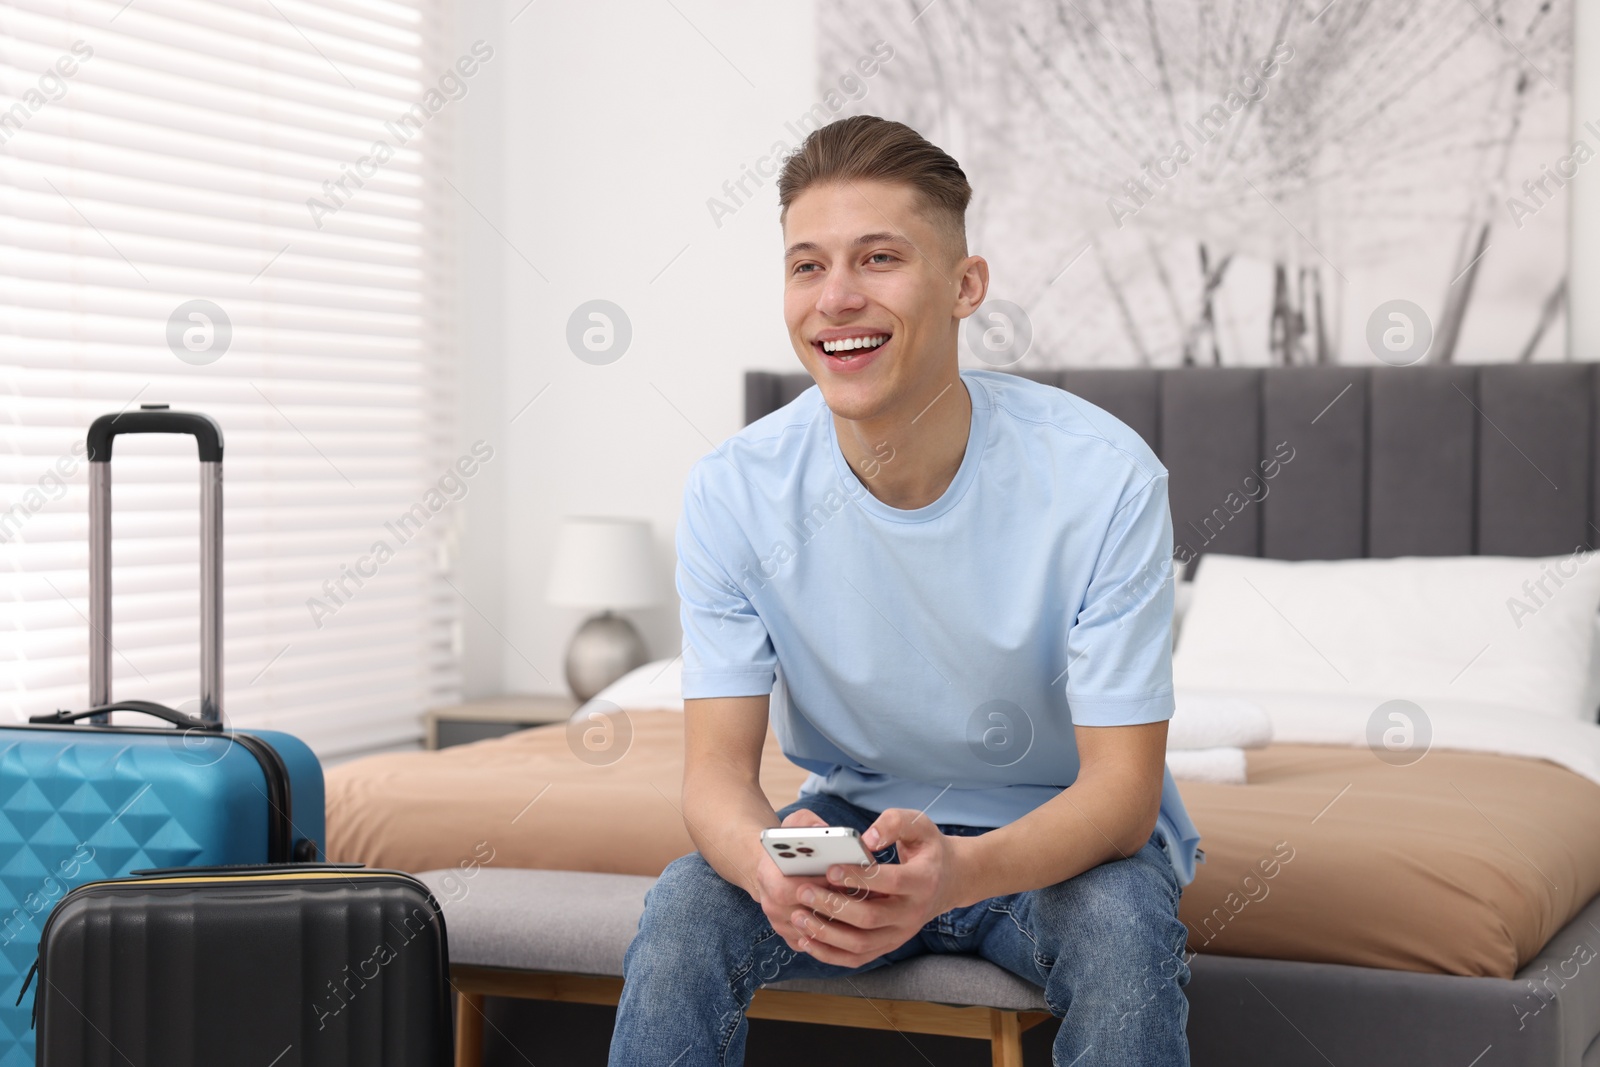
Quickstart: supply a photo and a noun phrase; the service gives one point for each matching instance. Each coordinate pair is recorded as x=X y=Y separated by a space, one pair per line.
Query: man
x=952 y=593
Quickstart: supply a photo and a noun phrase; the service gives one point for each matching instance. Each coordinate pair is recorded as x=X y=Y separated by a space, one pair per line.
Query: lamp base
x=605 y=648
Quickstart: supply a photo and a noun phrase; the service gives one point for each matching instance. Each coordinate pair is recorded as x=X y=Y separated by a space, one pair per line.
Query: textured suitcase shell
x=292 y=968
x=82 y=803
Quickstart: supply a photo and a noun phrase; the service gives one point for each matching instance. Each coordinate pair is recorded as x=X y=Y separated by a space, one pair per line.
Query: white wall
x=591 y=143
x=480 y=308
x=1584 y=340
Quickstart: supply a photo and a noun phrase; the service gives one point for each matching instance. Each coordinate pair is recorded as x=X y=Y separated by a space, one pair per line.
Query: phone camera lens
x=787 y=855
x=805 y=850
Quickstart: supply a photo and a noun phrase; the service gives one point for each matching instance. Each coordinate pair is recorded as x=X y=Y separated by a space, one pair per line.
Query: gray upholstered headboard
x=1453 y=460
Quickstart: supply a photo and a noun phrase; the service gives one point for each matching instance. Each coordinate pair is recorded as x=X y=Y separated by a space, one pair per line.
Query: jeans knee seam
x=736 y=979
x=1022 y=929
x=749 y=962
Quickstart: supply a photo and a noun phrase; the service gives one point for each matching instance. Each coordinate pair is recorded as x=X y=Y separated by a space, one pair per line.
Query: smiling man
x=951 y=592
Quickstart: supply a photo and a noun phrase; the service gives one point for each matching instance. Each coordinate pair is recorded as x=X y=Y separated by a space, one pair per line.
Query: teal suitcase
x=82 y=800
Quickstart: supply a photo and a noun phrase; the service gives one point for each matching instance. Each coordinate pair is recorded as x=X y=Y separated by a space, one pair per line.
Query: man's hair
x=869 y=148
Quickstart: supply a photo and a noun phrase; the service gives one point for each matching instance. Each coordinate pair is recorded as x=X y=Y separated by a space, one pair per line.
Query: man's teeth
x=854 y=342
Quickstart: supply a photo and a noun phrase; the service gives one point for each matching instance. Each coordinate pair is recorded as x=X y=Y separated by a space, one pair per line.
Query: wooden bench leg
x=469 y=1030
x=1005 y=1042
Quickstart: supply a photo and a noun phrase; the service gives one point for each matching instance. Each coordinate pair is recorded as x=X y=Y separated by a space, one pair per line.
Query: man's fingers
x=898 y=825
x=860 y=882
x=828 y=954
x=803 y=817
x=851 y=907
x=781 y=919
x=781 y=895
x=838 y=935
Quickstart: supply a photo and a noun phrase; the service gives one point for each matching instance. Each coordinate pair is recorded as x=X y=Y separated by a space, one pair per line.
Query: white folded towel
x=1204 y=721
x=1224 y=765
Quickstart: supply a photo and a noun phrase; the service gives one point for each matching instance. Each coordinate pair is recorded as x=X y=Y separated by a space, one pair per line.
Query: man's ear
x=973 y=283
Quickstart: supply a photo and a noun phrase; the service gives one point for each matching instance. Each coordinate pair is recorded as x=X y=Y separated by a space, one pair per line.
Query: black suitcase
x=306 y=966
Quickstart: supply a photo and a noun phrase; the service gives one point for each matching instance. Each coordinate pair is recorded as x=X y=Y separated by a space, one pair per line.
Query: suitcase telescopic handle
x=155 y=418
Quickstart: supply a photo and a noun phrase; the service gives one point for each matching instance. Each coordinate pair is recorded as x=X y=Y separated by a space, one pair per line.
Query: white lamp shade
x=605 y=563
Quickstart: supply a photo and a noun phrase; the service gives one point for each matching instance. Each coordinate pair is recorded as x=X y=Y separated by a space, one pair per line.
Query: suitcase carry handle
x=155 y=418
x=147 y=707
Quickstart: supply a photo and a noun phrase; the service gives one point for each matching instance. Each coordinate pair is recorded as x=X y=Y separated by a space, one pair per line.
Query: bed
x=1346 y=912
x=1388 y=877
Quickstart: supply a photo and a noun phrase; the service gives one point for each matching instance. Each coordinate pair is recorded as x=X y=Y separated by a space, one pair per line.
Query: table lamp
x=609 y=564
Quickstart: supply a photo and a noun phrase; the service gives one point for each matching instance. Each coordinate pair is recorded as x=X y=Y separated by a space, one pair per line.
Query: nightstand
x=477 y=720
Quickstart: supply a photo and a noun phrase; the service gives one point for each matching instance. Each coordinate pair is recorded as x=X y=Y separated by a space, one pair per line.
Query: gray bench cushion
x=576 y=922
x=941 y=979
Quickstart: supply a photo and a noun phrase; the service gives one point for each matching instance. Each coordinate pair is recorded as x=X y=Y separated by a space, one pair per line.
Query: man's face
x=862 y=263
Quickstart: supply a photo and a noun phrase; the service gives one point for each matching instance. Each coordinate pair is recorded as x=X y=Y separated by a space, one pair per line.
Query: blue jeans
x=1107 y=947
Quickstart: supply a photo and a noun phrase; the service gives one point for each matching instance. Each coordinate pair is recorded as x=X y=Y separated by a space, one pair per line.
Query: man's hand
x=860 y=913
x=777 y=893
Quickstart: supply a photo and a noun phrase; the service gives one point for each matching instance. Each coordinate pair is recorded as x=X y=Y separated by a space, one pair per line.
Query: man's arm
x=723 y=805
x=725 y=809
x=1107 y=813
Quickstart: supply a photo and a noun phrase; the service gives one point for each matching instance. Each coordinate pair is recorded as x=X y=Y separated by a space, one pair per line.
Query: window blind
x=195 y=210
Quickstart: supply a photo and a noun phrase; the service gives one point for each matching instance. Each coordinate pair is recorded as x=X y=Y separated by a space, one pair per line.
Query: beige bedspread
x=1462 y=863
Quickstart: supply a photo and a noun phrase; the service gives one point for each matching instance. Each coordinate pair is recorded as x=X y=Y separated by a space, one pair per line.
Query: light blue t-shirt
x=937 y=658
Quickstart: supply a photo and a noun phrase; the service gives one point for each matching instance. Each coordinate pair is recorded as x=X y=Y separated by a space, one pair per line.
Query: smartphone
x=810 y=850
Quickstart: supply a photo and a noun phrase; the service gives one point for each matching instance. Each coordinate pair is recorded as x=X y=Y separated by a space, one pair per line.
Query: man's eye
x=800 y=268
x=885 y=255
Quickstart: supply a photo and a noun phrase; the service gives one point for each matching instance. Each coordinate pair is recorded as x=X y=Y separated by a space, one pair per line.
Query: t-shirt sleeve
x=727 y=651
x=1119 y=649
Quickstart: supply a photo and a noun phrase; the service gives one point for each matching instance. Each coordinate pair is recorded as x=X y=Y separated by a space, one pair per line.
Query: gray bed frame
x=1496 y=459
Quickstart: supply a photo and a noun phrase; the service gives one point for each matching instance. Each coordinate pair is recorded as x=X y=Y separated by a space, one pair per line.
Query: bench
x=561 y=935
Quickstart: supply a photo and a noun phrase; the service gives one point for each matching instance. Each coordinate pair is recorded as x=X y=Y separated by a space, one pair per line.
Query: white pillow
x=1462 y=726
x=656 y=686
x=1420 y=628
